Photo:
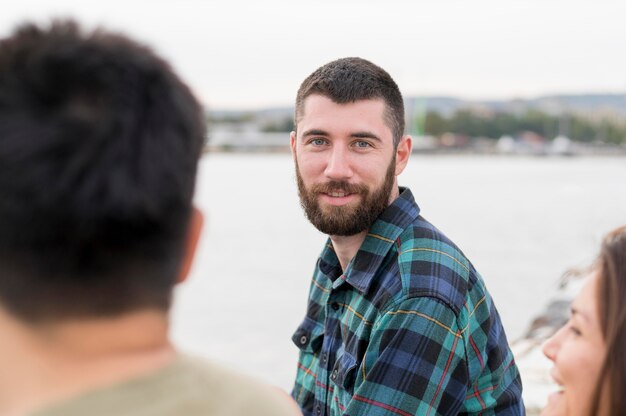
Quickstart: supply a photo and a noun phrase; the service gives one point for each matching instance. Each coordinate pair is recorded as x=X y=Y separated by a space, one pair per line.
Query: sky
x=238 y=54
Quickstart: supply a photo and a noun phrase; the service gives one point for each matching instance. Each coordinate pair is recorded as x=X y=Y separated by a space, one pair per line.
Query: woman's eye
x=573 y=329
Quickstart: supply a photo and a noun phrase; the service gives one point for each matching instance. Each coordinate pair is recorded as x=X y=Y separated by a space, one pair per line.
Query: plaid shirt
x=408 y=329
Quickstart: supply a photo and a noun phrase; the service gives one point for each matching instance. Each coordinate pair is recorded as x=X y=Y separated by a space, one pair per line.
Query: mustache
x=333 y=186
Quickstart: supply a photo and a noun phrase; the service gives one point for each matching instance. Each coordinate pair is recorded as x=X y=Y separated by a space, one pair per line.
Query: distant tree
x=434 y=124
x=494 y=125
x=612 y=133
x=584 y=131
x=284 y=125
x=466 y=123
x=503 y=124
x=534 y=121
x=231 y=118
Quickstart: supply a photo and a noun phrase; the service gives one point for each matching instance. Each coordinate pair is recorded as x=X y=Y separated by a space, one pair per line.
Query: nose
x=553 y=344
x=338 y=165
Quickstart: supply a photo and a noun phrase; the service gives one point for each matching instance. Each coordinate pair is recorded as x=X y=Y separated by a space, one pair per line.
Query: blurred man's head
x=99 y=144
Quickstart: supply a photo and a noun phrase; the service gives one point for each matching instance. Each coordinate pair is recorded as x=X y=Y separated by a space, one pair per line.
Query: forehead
x=320 y=112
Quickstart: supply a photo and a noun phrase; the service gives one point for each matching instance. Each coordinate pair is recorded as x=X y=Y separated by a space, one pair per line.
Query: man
x=398 y=320
x=99 y=146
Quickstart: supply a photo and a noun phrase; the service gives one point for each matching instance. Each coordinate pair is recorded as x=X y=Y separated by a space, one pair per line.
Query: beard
x=345 y=220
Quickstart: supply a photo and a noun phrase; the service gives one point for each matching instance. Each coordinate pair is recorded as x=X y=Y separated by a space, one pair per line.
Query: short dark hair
x=99 y=146
x=348 y=80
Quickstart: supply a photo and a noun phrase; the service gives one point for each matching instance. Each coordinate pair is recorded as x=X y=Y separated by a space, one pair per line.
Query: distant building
x=527 y=142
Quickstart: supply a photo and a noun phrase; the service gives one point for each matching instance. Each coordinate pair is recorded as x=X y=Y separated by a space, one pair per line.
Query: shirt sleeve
x=415 y=363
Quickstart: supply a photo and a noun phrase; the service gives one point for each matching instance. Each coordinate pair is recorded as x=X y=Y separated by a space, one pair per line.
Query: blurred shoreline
x=525 y=144
x=549 y=125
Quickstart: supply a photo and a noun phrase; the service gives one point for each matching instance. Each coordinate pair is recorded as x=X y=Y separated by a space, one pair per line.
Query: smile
x=338 y=194
x=337 y=198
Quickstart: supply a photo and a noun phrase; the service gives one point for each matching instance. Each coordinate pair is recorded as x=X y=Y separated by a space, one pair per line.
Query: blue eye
x=362 y=144
x=318 y=142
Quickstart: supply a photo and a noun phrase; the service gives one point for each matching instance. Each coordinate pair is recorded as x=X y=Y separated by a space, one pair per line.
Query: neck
x=346 y=247
x=54 y=362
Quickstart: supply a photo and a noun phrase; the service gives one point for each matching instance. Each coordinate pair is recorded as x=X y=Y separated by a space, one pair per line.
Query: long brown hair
x=611 y=266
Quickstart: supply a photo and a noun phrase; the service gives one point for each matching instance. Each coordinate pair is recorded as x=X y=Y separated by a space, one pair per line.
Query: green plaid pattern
x=408 y=329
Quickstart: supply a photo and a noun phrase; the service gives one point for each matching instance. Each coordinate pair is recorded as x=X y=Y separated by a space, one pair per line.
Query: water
x=521 y=221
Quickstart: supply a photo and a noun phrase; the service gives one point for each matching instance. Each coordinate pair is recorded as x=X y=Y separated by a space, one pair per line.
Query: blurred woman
x=589 y=352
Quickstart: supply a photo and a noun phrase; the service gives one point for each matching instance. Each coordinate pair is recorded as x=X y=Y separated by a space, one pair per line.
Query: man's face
x=346 y=164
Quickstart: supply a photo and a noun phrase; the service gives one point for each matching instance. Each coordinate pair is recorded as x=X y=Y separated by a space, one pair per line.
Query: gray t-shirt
x=188 y=386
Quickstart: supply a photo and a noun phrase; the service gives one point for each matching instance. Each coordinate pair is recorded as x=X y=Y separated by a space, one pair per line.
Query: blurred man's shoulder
x=232 y=392
x=189 y=386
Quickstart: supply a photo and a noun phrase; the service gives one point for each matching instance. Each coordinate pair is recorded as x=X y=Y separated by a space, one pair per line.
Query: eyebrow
x=356 y=135
x=365 y=135
x=314 y=132
x=575 y=311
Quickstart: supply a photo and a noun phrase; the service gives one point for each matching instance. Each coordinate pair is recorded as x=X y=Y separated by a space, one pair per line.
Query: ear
x=292 y=143
x=196 y=222
x=403 y=151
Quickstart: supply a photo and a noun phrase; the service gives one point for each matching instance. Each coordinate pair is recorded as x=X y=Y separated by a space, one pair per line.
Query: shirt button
x=324 y=358
x=335 y=306
x=318 y=409
x=334 y=375
x=303 y=340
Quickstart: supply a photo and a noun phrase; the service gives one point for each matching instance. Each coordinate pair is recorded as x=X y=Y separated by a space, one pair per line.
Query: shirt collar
x=381 y=237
